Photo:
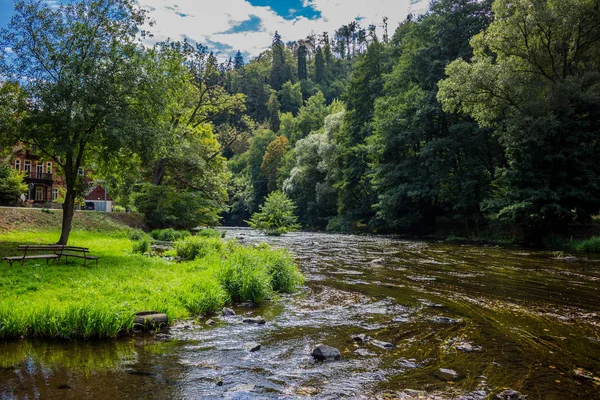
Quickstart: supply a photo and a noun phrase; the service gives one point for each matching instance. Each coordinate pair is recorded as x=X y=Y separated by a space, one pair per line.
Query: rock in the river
x=364 y=352
x=444 y=320
x=252 y=347
x=211 y=322
x=361 y=338
x=509 y=395
x=324 y=352
x=377 y=261
x=162 y=336
x=446 y=374
x=382 y=345
x=254 y=320
x=227 y=312
x=466 y=347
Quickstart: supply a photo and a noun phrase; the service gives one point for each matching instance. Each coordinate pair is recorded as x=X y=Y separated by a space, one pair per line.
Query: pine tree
x=319 y=66
x=238 y=61
x=302 y=70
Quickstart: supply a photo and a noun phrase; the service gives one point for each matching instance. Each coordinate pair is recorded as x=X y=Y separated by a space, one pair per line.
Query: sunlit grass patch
x=69 y=300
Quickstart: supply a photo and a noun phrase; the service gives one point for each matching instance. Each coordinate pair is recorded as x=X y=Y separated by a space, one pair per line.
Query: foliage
x=169 y=234
x=80 y=63
x=533 y=79
x=275 y=216
x=166 y=207
x=11 y=184
x=591 y=245
x=192 y=247
x=142 y=245
x=273 y=160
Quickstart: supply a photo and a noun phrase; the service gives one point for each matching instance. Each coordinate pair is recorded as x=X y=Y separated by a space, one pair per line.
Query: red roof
x=97 y=194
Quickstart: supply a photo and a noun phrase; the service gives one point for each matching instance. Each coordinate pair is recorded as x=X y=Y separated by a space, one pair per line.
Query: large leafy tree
x=79 y=64
x=534 y=79
x=426 y=161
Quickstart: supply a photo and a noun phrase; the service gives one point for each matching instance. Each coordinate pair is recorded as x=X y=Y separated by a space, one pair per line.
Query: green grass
x=169 y=235
x=69 y=300
x=591 y=245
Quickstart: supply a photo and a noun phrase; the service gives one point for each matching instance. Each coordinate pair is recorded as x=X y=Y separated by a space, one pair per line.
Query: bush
x=210 y=233
x=591 y=245
x=142 y=245
x=169 y=234
x=11 y=184
x=137 y=234
x=205 y=297
x=275 y=216
x=193 y=247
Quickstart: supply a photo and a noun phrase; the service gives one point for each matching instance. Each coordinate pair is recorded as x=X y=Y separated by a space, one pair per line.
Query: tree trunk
x=68 y=211
x=158 y=172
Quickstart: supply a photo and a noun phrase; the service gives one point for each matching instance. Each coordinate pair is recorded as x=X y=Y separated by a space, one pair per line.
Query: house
x=44 y=184
x=97 y=199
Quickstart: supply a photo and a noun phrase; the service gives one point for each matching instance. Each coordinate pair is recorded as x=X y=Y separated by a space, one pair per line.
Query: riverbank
x=71 y=301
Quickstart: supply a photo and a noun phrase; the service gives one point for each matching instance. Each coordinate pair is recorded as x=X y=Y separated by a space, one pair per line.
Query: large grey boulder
x=323 y=352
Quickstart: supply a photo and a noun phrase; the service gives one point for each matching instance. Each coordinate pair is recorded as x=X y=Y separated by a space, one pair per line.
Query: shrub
x=169 y=234
x=591 y=245
x=285 y=276
x=11 y=184
x=193 y=247
x=142 y=245
x=275 y=216
x=209 y=233
x=137 y=234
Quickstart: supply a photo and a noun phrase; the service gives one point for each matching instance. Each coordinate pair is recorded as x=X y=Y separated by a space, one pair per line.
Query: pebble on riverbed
x=323 y=352
x=361 y=338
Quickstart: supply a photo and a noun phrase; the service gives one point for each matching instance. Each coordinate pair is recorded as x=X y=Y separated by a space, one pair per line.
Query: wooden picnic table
x=58 y=251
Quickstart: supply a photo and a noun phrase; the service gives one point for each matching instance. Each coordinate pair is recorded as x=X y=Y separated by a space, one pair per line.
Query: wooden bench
x=58 y=252
x=36 y=248
x=78 y=252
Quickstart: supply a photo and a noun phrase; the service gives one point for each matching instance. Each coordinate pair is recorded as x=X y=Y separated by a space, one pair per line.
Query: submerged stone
x=382 y=345
x=252 y=347
x=254 y=320
x=466 y=347
x=211 y=322
x=445 y=320
x=323 y=352
x=446 y=374
x=227 y=312
x=361 y=338
x=364 y=352
x=162 y=336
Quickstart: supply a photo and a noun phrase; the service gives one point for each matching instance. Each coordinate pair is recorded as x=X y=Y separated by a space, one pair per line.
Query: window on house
x=18 y=165
x=80 y=171
x=48 y=167
x=39 y=193
x=54 y=194
x=39 y=169
x=27 y=166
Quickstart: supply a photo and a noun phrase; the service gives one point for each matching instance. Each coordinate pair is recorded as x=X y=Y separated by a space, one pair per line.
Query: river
x=467 y=322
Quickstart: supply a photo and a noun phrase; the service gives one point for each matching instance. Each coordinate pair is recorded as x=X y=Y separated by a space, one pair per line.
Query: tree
x=13 y=108
x=238 y=61
x=534 y=80
x=280 y=71
x=319 y=66
x=11 y=184
x=273 y=160
x=273 y=106
x=302 y=70
x=290 y=97
x=78 y=63
x=427 y=162
x=276 y=215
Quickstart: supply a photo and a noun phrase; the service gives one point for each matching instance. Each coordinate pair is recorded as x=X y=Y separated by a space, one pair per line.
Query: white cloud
x=205 y=21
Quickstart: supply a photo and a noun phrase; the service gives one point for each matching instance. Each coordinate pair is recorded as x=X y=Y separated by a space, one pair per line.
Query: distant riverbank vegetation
x=478 y=119
x=71 y=301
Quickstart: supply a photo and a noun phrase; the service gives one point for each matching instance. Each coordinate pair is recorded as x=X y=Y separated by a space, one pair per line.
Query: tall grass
x=69 y=300
x=169 y=235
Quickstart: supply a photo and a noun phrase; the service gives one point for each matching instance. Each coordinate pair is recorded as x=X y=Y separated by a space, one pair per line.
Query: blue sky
x=248 y=25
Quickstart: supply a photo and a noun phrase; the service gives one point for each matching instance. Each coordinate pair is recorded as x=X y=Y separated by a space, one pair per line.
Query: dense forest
x=475 y=114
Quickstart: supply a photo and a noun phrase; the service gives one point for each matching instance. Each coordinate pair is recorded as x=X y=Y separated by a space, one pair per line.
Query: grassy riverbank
x=68 y=300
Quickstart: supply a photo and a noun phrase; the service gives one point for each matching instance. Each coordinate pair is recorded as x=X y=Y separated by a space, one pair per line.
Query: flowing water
x=467 y=322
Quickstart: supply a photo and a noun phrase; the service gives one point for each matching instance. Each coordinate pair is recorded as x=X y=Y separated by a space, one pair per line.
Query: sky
x=226 y=26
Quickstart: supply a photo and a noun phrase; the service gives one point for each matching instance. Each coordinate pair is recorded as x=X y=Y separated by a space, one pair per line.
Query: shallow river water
x=467 y=322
